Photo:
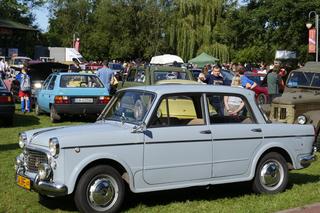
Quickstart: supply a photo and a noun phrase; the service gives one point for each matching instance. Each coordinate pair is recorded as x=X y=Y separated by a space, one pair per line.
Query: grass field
x=304 y=186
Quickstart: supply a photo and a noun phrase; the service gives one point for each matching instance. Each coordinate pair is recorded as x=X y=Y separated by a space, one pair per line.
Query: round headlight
x=44 y=171
x=37 y=85
x=54 y=147
x=22 y=139
x=302 y=119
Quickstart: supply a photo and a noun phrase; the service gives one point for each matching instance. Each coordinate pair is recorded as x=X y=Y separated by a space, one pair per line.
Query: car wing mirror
x=140 y=128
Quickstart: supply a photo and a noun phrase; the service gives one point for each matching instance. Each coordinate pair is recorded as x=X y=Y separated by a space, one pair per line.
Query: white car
x=163 y=137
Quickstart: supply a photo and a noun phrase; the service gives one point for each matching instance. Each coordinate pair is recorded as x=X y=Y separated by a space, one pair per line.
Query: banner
x=312 y=40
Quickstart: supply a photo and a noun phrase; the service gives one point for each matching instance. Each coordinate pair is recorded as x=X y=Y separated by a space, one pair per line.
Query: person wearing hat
x=25 y=90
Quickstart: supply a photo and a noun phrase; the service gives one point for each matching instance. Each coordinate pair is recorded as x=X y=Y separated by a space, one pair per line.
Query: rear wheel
x=54 y=117
x=37 y=109
x=271 y=174
x=100 y=189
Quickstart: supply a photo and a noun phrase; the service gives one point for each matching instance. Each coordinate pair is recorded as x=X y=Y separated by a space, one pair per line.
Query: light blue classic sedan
x=163 y=137
x=71 y=93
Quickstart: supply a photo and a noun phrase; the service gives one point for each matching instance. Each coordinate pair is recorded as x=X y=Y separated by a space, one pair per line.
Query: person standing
x=215 y=78
x=25 y=90
x=273 y=81
x=2 y=69
x=245 y=81
x=106 y=75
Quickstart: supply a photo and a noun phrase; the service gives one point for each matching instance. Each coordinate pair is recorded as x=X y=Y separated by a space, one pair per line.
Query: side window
x=51 y=84
x=229 y=109
x=316 y=80
x=46 y=82
x=140 y=77
x=179 y=110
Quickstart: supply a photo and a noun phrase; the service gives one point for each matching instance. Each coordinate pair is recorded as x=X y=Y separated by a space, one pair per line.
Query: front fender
x=73 y=177
x=313 y=117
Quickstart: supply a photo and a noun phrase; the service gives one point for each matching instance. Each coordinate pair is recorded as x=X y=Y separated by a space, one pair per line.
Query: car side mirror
x=140 y=128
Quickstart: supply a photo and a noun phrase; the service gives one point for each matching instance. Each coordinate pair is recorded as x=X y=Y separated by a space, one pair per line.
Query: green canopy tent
x=203 y=59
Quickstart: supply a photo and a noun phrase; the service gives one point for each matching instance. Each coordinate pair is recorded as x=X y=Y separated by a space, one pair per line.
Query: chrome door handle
x=256 y=130
x=206 y=132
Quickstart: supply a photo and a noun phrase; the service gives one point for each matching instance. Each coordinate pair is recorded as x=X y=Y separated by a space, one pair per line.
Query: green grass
x=304 y=186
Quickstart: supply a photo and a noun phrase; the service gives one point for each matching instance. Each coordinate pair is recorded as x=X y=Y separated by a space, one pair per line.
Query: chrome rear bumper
x=307 y=160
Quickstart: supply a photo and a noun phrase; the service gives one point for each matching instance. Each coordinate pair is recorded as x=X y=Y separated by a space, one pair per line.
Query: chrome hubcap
x=271 y=175
x=102 y=193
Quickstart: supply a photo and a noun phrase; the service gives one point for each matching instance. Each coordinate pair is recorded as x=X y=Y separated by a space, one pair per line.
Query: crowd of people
x=211 y=74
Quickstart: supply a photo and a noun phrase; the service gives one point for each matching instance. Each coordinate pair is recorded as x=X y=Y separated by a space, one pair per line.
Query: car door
x=42 y=93
x=235 y=133
x=48 y=94
x=177 y=144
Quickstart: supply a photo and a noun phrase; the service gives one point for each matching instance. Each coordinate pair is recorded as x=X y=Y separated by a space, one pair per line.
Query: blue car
x=71 y=94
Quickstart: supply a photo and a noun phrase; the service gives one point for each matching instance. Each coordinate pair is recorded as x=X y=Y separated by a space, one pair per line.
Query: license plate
x=24 y=182
x=83 y=100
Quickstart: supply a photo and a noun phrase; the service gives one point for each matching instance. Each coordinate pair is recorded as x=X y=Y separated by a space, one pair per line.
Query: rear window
x=83 y=81
x=168 y=75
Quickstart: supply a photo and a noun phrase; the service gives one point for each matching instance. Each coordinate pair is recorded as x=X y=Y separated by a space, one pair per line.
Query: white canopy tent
x=166 y=59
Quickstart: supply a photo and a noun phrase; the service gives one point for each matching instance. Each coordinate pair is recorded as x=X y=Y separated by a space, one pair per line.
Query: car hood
x=297 y=98
x=97 y=134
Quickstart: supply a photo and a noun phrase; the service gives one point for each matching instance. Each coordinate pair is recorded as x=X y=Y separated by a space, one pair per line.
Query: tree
x=193 y=25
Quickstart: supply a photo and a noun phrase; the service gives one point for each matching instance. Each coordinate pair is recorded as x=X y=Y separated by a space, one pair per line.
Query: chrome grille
x=283 y=113
x=33 y=158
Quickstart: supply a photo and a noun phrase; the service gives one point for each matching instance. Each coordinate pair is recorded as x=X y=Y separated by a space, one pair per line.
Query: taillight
x=6 y=99
x=104 y=99
x=61 y=100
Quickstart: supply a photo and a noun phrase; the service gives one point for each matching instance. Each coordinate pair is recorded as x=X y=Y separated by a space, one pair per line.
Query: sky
x=42 y=18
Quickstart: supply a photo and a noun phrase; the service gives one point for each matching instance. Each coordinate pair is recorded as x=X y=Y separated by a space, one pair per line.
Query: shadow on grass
x=28 y=119
x=300 y=179
x=203 y=193
x=61 y=203
x=10 y=146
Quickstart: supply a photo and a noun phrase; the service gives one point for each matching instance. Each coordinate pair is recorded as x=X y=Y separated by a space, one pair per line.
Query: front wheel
x=100 y=189
x=271 y=174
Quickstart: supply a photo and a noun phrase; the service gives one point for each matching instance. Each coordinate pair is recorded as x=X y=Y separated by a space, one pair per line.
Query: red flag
x=77 y=44
x=312 y=40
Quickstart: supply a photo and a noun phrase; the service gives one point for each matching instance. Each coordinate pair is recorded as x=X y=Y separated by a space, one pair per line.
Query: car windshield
x=169 y=75
x=19 y=61
x=83 y=81
x=129 y=107
x=303 y=79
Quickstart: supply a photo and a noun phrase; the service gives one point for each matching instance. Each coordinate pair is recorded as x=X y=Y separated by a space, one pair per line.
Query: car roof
x=73 y=73
x=190 y=88
x=310 y=67
x=167 y=68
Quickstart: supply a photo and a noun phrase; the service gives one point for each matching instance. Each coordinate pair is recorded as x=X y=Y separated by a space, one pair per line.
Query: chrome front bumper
x=43 y=187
